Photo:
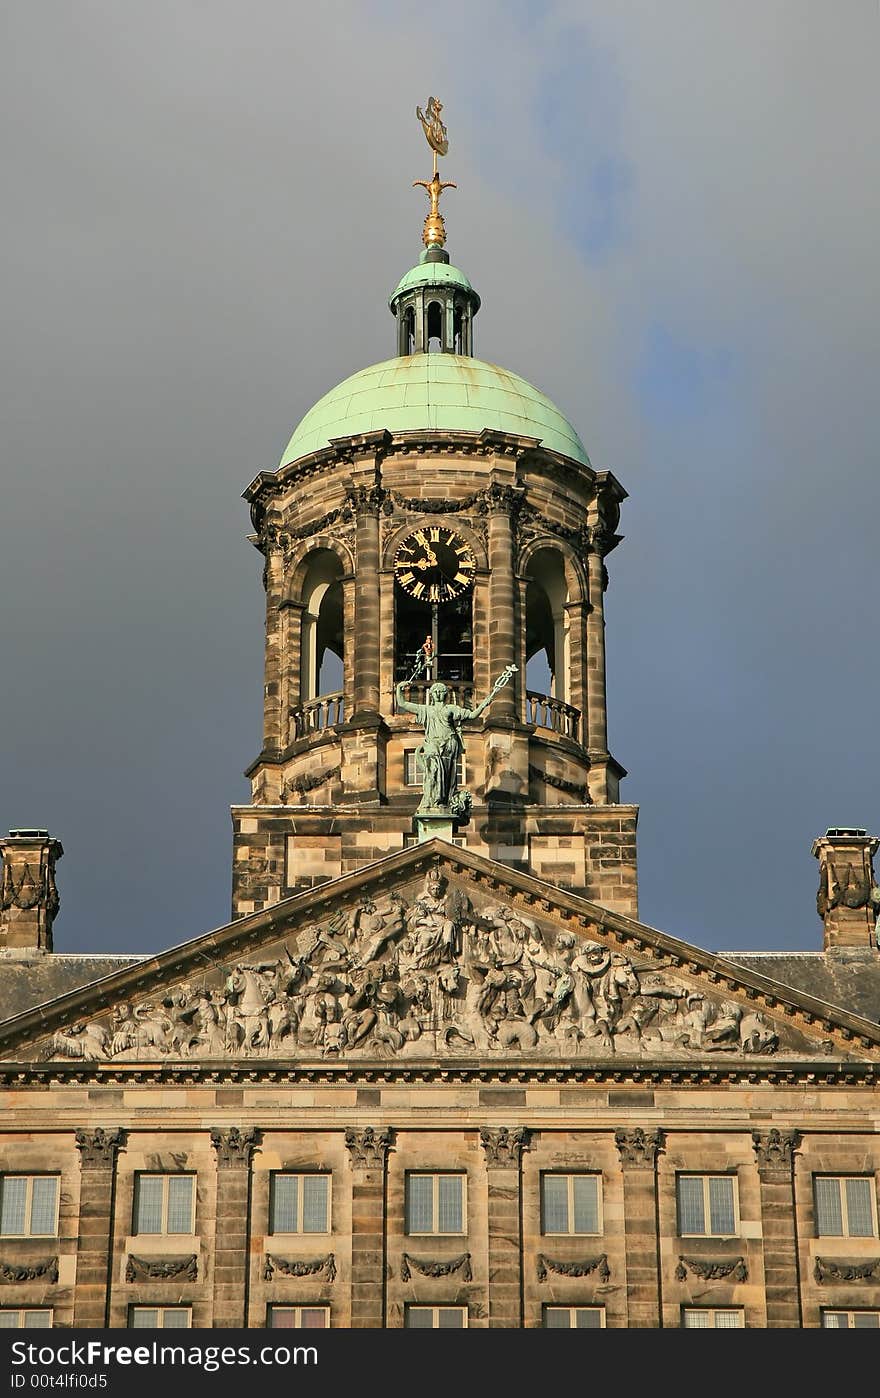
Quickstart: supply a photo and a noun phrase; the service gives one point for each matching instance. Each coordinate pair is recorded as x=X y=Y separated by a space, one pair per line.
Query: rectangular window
x=299 y=1203
x=706 y=1206
x=11 y=1319
x=299 y=1318
x=574 y=1317
x=845 y=1206
x=571 y=1203
x=851 y=1320
x=435 y=1203
x=28 y=1206
x=436 y=1317
x=704 y=1318
x=414 y=770
x=160 y=1318
x=164 y=1203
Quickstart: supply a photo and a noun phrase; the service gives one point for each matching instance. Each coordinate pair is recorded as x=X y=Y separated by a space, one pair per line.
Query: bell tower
x=434 y=521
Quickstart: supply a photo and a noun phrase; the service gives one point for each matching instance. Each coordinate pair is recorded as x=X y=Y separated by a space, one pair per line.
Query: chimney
x=28 y=896
x=848 y=900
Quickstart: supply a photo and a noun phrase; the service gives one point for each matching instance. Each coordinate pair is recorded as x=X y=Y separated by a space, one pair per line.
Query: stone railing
x=459 y=692
x=326 y=711
x=546 y=712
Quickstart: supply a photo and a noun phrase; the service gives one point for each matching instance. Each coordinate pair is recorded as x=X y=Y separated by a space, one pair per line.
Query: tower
x=434 y=518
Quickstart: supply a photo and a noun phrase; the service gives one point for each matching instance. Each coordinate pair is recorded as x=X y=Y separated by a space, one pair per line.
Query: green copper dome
x=435 y=392
x=432 y=274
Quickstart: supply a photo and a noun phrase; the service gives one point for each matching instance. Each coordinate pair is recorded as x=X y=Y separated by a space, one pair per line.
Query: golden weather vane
x=434 y=232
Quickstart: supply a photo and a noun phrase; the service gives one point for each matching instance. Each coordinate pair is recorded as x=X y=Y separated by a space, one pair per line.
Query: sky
x=671 y=214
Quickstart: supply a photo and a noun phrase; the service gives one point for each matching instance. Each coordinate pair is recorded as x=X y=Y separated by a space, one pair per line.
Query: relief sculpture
x=427 y=976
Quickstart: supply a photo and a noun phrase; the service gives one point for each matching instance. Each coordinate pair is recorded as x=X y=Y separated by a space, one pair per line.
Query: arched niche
x=547 y=657
x=322 y=646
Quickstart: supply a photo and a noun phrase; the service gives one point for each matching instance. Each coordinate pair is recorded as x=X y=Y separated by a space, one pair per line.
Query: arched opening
x=434 y=327
x=407 y=331
x=323 y=644
x=458 y=329
x=547 y=662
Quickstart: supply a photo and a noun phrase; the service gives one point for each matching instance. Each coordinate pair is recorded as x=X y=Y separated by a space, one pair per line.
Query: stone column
x=848 y=901
x=366 y=629
x=273 y=578
x=504 y=1150
x=94 y=1246
x=595 y=719
x=234 y=1149
x=368 y=1153
x=638 y=1160
x=503 y=502
x=774 y=1151
x=29 y=900
x=578 y=689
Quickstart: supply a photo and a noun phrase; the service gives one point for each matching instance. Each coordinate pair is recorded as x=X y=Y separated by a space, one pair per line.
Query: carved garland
x=560 y=783
x=309 y=781
x=835 y=1269
x=300 y=1267
x=138 y=1269
x=712 y=1268
x=430 y=1268
x=581 y=1268
x=44 y=1270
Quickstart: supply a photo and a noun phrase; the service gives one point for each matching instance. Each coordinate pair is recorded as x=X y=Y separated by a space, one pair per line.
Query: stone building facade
x=438 y=1080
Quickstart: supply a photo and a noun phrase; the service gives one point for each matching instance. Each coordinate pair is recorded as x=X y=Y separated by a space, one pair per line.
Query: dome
x=430 y=274
x=435 y=392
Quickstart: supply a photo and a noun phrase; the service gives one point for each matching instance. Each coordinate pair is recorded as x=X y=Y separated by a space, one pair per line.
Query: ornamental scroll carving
x=184 y=1269
x=441 y=1268
x=368 y=1148
x=46 y=1270
x=582 y=1267
x=504 y=1147
x=774 y=1149
x=98 y=1148
x=835 y=1269
x=436 y=970
x=712 y=1268
x=325 y=1267
x=235 y=1147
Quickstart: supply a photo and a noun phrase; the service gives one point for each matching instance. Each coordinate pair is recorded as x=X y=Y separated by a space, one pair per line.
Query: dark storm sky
x=671 y=213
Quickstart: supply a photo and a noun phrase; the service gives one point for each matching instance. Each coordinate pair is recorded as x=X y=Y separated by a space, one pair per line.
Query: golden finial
x=434 y=231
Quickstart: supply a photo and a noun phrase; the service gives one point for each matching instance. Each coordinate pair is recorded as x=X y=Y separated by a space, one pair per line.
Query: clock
x=434 y=564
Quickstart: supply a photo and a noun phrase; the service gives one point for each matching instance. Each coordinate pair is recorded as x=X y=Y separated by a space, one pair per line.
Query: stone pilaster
x=503 y=502
x=94 y=1247
x=503 y=1150
x=638 y=1151
x=368 y=1153
x=273 y=719
x=367 y=501
x=29 y=899
x=234 y=1148
x=774 y=1152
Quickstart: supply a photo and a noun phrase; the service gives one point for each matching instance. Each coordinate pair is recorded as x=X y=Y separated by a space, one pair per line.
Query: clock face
x=434 y=564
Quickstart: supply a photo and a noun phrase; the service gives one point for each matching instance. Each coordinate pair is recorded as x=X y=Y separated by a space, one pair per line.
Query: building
x=435 y=1072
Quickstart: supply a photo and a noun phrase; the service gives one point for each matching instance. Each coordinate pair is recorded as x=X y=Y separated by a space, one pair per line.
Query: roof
x=30 y=981
x=430 y=392
x=432 y=274
x=848 y=978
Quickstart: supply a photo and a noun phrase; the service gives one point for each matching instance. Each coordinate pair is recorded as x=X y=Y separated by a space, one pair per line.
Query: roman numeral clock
x=434 y=565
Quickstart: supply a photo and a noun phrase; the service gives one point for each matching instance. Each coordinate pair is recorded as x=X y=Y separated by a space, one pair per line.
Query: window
x=706 y=1206
x=705 y=1318
x=435 y=1203
x=436 y=1317
x=159 y=1318
x=845 y=1206
x=163 y=1203
x=851 y=1320
x=574 y=1317
x=299 y=1317
x=570 y=1203
x=299 y=1204
x=28 y=1206
x=11 y=1319
x=414 y=768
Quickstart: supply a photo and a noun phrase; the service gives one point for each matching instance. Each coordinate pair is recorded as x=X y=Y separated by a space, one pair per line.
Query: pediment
x=436 y=954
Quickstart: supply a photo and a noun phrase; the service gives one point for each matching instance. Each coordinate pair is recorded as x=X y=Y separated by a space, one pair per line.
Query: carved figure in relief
x=433 y=926
x=320 y=1012
x=83 y=1041
x=723 y=1029
x=139 y=1028
x=374 y=929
